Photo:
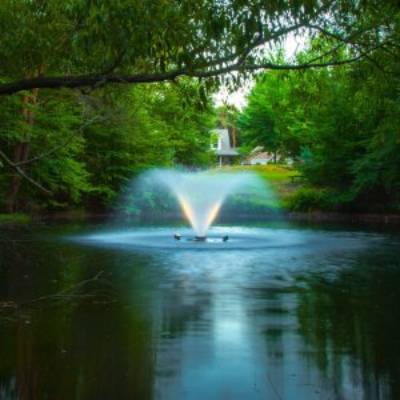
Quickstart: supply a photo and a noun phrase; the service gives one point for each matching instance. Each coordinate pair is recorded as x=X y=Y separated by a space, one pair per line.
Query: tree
x=83 y=43
x=259 y=123
x=345 y=120
x=85 y=148
x=143 y=127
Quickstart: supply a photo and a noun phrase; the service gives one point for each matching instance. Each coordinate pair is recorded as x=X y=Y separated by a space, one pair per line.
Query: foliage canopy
x=78 y=43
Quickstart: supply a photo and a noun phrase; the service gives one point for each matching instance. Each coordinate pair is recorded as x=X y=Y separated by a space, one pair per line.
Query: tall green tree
x=260 y=122
x=344 y=119
x=83 y=148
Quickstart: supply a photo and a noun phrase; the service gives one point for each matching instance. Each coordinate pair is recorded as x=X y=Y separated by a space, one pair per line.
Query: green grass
x=270 y=172
x=15 y=218
x=278 y=177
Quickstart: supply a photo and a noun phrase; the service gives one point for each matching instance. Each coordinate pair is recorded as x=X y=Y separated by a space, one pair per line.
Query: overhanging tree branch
x=235 y=61
x=91 y=80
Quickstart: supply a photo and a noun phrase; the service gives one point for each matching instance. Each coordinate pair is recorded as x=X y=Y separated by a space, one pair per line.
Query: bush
x=311 y=199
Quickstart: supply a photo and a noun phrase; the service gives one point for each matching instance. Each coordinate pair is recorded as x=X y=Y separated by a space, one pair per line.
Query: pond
x=290 y=312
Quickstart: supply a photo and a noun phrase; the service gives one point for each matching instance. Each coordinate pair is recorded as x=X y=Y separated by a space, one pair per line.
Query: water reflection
x=315 y=321
x=352 y=320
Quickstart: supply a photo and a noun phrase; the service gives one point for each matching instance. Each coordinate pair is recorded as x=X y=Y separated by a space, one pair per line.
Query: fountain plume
x=200 y=195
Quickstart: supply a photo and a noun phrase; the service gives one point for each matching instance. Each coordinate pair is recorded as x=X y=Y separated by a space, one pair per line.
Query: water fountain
x=161 y=195
x=201 y=195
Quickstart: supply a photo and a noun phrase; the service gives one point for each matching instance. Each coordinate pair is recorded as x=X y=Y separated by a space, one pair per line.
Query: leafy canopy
x=77 y=43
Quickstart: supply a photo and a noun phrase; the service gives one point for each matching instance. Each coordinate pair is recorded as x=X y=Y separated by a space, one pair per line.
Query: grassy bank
x=283 y=180
x=294 y=194
x=16 y=218
x=290 y=193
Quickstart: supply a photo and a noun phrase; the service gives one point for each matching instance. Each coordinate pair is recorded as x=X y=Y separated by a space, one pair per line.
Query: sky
x=238 y=97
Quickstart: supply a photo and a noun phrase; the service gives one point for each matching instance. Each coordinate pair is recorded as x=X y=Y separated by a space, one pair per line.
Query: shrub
x=311 y=199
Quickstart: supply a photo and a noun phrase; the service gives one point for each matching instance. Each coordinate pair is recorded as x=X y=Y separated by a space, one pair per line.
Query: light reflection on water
x=300 y=314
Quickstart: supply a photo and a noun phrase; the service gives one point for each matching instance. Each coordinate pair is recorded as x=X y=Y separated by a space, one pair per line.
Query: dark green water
x=306 y=314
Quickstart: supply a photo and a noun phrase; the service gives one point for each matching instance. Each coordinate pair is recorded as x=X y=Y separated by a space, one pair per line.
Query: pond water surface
x=278 y=312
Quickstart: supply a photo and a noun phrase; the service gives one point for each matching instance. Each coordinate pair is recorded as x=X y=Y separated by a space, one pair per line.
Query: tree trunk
x=21 y=149
x=233 y=136
x=11 y=199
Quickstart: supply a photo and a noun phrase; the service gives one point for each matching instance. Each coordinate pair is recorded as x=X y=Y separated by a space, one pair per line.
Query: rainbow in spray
x=201 y=194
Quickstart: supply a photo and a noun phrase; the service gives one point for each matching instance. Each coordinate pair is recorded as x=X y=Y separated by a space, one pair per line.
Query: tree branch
x=60 y=146
x=56 y=82
x=232 y=62
x=69 y=292
x=21 y=172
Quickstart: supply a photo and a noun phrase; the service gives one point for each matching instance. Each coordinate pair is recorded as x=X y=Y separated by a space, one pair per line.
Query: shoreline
x=312 y=216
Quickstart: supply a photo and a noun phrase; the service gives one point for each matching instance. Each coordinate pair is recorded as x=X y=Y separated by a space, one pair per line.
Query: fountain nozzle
x=200 y=238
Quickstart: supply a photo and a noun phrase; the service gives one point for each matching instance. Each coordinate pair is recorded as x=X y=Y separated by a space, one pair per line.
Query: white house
x=259 y=157
x=223 y=146
x=262 y=158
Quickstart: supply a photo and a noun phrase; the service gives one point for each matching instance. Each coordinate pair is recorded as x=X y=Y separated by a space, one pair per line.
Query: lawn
x=270 y=172
x=277 y=177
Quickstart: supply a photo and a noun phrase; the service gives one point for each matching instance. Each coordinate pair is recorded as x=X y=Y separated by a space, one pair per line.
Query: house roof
x=225 y=148
x=257 y=150
x=260 y=156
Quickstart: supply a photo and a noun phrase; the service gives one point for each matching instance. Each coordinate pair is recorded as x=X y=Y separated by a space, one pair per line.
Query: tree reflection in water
x=350 y=320
x=318 y=320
